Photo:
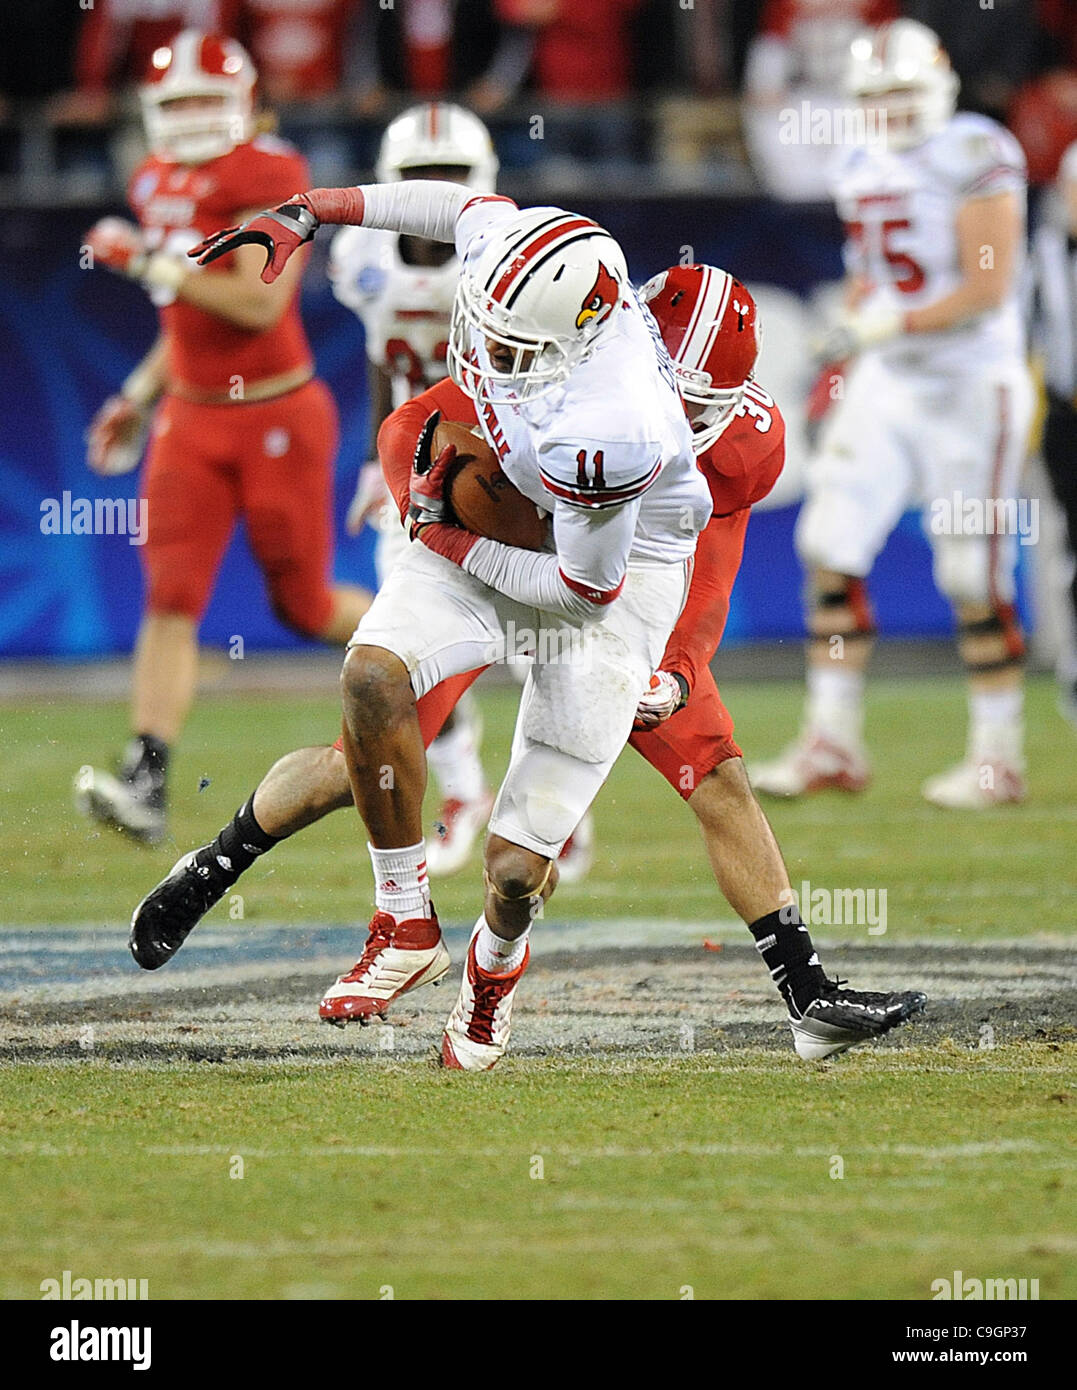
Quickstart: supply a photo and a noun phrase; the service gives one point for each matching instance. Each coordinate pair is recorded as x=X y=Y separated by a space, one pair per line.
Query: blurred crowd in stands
x=689 y=88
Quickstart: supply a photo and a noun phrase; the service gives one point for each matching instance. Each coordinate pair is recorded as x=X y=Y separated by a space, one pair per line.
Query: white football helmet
x=198 y=65
x=903 y=69
x=545 y=286
x=438 y=135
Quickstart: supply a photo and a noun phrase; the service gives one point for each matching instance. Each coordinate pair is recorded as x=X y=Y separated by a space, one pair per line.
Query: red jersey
x=179 y=204
x=741 y=467
x=743 y=463
x=582 y=50
x=298 y=46
x=118 y=37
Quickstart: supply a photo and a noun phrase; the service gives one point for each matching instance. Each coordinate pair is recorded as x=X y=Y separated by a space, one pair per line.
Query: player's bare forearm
x=989 y=232
x=149 y=379
x=240 y=296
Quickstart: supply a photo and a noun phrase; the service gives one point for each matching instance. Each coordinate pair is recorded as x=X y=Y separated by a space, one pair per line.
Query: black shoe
x=840 y=1018
x=168 y=914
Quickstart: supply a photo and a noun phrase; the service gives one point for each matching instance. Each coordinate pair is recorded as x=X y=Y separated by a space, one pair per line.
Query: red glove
x=428 y=478
x=117 y=244
x=116 y=436
x=663 y=697
x=280 y=231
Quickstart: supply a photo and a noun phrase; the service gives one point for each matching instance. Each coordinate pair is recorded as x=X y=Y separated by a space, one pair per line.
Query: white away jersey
x=611 y=448
x=404 y=308
x=900 y=213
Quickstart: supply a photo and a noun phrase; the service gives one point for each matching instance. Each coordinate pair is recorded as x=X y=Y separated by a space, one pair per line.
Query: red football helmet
x=201 y=66
x=708 y=323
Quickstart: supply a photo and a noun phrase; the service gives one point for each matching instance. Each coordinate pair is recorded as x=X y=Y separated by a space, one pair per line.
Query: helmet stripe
x=697 y=312
x=535 y=265
x=715 y=325
x=528 y=252
x=521 y=240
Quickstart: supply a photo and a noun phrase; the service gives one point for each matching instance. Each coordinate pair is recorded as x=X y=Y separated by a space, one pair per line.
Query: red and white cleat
x=459 y=824
x=577 y=853
x=813 y=764
x=477 y=1034
x=977 y=785
x=398 y=957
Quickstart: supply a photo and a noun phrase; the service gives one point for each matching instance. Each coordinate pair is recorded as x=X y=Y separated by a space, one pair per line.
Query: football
x=481 y=497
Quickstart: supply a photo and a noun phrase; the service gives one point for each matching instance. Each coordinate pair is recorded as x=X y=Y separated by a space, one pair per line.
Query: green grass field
x=735 y=1174
x=655 y=1175
x=997 y=874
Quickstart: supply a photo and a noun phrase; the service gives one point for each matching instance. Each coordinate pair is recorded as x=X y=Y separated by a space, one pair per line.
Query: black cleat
x=840 y=1018
x=168 y=914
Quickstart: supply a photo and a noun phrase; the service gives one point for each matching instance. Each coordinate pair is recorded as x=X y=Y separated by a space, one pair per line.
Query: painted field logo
x=986 y=516
x=68 y=1287
x=836 y=907
x=76 y=1343
x=971 y=1290
x=101 y=516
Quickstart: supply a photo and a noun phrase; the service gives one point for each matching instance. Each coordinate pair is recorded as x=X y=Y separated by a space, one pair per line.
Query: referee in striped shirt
x=1055 y=264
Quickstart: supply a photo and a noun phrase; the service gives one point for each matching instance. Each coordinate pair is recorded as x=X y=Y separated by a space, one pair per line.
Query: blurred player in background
x=402 y=288
x=935 y=411
x=682 y=728
x=243 y=428
x=1055 y=259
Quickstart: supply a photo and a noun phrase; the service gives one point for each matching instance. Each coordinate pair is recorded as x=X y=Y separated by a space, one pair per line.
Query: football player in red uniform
x=241 y=427
x=708 y=322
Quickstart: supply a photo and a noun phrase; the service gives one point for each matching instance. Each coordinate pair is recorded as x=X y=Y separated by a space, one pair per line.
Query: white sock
x=454 y=758
x=835 y=706
x=401 y=886
x=494 y=954
x=996 y=724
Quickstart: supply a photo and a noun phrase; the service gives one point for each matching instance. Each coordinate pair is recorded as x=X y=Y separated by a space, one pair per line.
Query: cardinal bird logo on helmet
x=601 y=296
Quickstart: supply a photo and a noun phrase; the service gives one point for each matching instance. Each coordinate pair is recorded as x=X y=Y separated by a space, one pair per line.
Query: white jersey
x=900 y=213
x=404 y=308
x=610 y=449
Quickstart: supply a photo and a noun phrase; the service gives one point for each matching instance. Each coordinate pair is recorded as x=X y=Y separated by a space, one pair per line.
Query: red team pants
x=267 y=462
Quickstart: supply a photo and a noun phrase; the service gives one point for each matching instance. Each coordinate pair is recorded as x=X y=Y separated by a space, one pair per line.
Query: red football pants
x=269 y=463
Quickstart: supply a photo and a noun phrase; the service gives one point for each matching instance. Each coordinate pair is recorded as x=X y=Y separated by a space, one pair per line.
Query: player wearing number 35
x=932 y=403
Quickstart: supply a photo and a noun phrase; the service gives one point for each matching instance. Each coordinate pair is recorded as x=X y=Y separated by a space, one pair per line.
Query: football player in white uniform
x=577 y=395
x=401 y=288
x=936 y=410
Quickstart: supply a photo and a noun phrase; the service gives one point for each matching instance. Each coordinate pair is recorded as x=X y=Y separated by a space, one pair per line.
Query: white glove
x=371 y=494
x=856 y=331
x=663 y=697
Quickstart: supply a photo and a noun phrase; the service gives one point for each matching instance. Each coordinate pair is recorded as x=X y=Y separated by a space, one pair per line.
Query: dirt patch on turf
x=658 y=1000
